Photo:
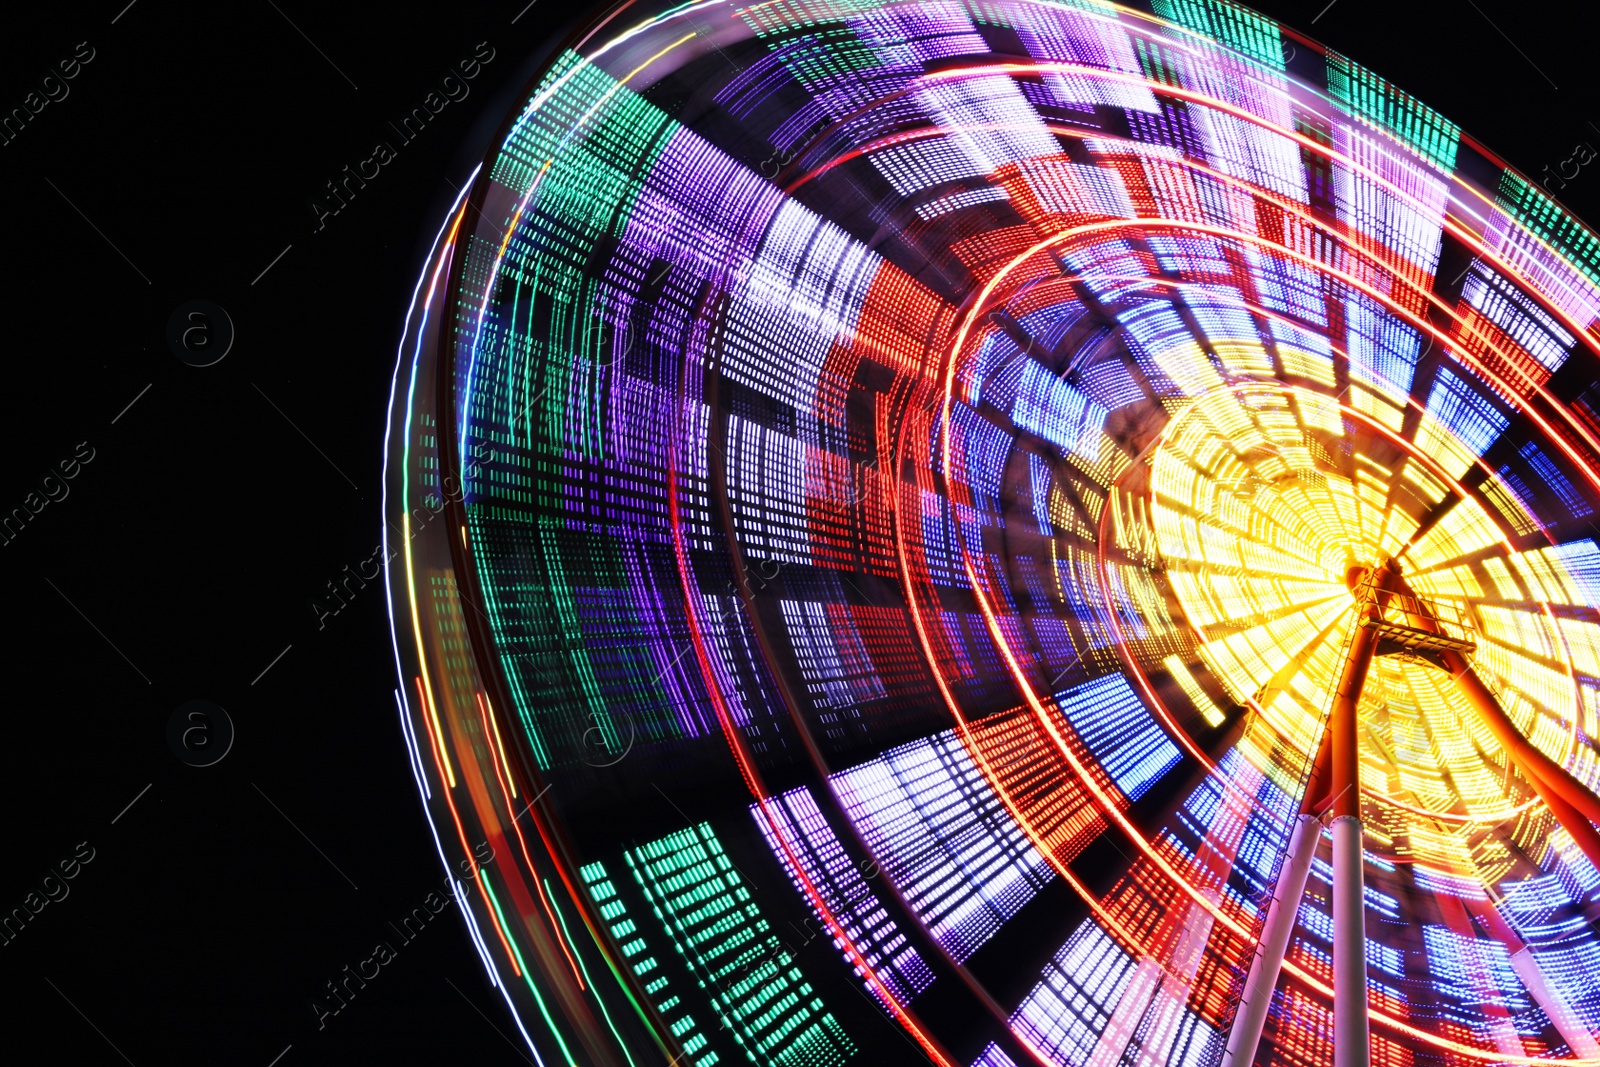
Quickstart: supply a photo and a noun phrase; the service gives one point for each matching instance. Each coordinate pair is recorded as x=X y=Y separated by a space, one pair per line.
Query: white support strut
x=1251 y=1015
x=1351 y=1042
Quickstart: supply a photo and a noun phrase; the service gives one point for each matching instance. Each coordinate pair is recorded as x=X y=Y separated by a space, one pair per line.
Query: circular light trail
x=880 y=498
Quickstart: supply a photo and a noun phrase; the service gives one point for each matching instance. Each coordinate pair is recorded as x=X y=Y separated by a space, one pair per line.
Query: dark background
x=189 y=550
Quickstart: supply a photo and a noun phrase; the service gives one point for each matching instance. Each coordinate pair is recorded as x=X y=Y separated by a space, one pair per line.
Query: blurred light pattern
x=870 y=486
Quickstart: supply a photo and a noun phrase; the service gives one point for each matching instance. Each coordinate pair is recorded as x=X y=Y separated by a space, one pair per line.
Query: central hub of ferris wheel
x=1391 y=620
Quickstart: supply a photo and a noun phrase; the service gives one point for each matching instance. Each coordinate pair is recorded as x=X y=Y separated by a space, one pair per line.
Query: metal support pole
x=1251 y=1015
x=1343 y=721
x=1548 y=997
x=1528 y=759
x=1572 y=804
x=1350 y=1034
x=1318 y=794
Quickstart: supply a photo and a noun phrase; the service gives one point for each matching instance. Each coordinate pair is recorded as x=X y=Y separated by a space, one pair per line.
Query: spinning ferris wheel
x=1005 y=533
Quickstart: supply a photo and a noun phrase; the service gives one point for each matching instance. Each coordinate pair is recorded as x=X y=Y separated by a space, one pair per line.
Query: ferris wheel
x=1004 y=533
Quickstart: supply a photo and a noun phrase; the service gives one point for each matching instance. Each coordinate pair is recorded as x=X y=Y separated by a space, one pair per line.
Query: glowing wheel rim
x=796 y=515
